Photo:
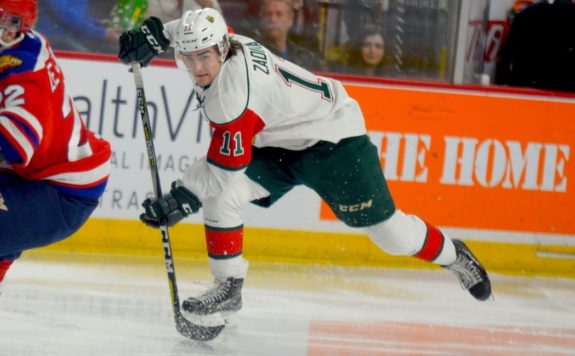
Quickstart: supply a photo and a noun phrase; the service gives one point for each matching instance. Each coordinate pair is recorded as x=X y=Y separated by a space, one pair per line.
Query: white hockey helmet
x=202 y=29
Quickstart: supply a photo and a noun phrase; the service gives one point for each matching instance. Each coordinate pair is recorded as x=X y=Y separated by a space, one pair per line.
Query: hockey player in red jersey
x=277 y=125
x=52 y=168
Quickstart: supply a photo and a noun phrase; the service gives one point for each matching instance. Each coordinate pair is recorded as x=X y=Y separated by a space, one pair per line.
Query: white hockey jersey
x=262 y=100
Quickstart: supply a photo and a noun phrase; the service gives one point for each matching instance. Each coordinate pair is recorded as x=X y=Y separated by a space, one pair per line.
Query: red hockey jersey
x=42 y=136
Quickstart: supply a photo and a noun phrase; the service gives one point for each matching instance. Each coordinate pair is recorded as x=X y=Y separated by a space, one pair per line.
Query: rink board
x=308 y=247
x=489 y=165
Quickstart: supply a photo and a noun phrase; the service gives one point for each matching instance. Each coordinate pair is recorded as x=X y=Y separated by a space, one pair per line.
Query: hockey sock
x=436 y=247
x=224 y=243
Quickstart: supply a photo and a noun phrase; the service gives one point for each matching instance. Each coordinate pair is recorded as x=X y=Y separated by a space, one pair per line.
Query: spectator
x=277 y=18
x=69 y=26
x=365 y=54
x=540 y=49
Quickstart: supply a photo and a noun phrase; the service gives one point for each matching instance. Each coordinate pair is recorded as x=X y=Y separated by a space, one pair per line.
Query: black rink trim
x=224 y=257
x=223 y=228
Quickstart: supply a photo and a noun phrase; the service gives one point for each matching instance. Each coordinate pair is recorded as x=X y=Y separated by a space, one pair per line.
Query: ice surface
x=74 y=304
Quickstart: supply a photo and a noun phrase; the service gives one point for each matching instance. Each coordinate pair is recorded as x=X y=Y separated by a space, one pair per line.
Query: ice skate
x=470 y=272
x=224 y=296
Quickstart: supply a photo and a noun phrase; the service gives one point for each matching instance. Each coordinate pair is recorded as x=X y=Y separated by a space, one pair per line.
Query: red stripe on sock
x=433 y=244
x=224 y=242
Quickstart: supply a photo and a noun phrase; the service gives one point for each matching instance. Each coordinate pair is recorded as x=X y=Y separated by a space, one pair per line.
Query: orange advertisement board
x=475 y=159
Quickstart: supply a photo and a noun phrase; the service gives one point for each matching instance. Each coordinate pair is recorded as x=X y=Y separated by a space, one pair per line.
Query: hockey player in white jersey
x=277 y=125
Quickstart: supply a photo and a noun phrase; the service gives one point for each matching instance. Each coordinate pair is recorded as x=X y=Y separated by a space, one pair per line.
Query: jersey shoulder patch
x=22 y=57
x=9 y=61
x=230 y=92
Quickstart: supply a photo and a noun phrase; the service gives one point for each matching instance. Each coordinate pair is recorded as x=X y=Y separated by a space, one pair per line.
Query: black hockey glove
x=171 y=208
x=143 y=44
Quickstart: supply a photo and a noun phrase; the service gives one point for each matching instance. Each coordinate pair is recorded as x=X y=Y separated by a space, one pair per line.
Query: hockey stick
x=184 y=326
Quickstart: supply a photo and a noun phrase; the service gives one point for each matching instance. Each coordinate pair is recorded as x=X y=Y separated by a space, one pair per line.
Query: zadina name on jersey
x=42 y=136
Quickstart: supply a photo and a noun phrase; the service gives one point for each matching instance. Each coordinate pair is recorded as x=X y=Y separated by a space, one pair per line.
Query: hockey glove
x=171 y=208
x=143 y=44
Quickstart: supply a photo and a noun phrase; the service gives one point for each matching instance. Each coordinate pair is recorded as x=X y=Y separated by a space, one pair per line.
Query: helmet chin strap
x=5 y=45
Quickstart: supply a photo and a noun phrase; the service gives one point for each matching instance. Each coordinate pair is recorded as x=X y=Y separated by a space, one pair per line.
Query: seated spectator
x=540 y=49
x=365 y=54
x=69 y=26
x=277 y=18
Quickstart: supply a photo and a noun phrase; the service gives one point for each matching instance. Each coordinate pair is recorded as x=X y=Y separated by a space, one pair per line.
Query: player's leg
x=35 y=214
x=408 y=235
x=9 y=250
x=353 y=185
x=265 y=181
x=224 y=240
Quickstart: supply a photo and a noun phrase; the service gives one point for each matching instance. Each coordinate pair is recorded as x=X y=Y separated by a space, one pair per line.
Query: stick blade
x=197 y=332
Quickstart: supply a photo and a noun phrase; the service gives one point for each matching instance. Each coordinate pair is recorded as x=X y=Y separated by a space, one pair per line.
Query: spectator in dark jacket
x=540 y=49
x=277 y=18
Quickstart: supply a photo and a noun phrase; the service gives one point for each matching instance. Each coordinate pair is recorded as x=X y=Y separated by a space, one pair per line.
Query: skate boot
x=470 y=272
x=224 y=296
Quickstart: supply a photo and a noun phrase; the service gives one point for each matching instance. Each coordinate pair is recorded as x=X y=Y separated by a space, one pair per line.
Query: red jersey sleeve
x=231 y=145
x=21 y=130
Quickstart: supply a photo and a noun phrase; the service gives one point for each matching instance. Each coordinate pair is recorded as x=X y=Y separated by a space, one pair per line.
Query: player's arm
x=20 y=129
x=229 y=154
